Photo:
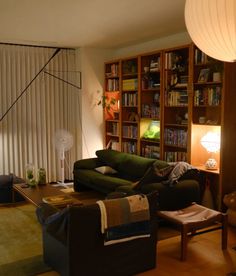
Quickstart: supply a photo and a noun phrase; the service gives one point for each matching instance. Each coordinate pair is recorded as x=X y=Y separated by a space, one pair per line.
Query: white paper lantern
x=212 y=27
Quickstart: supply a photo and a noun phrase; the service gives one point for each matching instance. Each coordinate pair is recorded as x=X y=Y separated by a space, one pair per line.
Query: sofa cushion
x=100 y=182
x=88 y=163
x=105 y=170
x=128 y=165
x=110 y=157
x=135 y=166
x=154 y=174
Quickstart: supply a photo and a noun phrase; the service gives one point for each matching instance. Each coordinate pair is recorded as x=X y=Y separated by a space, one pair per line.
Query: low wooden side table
x=193 y=218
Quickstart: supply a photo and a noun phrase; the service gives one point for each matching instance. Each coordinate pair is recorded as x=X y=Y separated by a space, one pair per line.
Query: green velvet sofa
x=129 y=170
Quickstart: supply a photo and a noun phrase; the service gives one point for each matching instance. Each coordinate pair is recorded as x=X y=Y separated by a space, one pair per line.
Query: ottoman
x=196 y=217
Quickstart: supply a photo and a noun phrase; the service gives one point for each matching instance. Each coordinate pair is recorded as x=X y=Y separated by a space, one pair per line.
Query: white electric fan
x=63 y=141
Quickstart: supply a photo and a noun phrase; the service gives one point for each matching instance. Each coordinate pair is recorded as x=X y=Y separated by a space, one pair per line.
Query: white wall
x=153 y=45
x=91 y=63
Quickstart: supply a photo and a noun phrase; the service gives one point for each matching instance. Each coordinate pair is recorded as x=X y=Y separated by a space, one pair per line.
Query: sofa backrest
x=129 y=165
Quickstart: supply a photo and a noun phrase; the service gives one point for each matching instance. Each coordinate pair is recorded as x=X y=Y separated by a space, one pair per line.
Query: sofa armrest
x=177 y=196
x=89 y=163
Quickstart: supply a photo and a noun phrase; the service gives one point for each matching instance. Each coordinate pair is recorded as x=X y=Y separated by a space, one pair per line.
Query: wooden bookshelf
x=186 y=94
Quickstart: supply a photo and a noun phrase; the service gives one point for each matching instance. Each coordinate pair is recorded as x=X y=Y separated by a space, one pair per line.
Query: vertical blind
x=49 y=104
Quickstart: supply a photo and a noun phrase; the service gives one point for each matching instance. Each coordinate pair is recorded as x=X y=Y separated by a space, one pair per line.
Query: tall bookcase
x=182 y=94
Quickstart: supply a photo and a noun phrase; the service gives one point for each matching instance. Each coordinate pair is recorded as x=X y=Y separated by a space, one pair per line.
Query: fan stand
x=62 y=168
x=62 y=163
x=63 y=142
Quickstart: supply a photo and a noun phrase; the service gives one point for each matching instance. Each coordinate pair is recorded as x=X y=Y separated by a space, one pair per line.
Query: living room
x=63 y=89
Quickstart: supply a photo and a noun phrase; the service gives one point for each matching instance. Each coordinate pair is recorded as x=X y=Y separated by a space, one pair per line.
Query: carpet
x=26 y=267
x=20 y=241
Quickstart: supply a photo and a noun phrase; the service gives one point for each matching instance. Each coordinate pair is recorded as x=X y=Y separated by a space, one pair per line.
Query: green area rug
x=20 y=241
x=26 y=267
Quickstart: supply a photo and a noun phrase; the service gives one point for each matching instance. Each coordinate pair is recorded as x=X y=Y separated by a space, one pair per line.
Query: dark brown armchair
x=74 y=245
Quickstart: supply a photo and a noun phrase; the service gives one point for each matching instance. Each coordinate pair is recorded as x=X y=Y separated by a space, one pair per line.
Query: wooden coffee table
x=36 y=194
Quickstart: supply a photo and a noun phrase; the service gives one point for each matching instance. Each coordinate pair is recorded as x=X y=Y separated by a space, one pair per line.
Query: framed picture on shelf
x=203 y=75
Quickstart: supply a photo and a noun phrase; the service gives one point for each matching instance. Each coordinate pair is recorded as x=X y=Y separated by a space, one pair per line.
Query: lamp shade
x=211 y=141
x=212 y=26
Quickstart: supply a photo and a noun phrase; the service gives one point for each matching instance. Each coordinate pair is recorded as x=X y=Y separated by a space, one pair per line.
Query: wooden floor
x=204 y=257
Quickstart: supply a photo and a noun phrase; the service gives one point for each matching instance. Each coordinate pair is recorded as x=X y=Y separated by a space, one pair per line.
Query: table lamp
x=211 y=142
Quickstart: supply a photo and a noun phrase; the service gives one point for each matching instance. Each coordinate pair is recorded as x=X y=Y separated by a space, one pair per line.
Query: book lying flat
x=59 y=200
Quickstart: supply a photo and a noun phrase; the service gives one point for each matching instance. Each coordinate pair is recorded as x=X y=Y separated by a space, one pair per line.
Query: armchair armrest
x=53 y=220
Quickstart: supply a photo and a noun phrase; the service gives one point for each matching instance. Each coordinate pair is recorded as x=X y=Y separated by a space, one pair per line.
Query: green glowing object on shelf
x=153 y=131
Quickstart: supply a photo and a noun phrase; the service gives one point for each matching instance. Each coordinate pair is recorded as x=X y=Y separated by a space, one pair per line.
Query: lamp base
x=211 y=164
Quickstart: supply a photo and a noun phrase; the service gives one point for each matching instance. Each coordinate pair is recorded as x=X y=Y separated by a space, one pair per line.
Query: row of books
x=113 y=144
x=129 y=147
x=130 y=131
x=130 y=84
x=114 y=70
x=175 y=137
x=129 y=99
x=200 y=57
x=207 y=96
x=177 y=98
x=150 y=111
x=113 y=129
x=174 y=61
x=179 y=81
x=129 y=67
x=169 y=57
x=112 y=85
x=150 y=151
x=175 y=156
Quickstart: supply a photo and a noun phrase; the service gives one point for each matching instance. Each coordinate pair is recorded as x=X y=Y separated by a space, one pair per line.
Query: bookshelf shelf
x=150 y=141
x=130 y=122
x=176 y=125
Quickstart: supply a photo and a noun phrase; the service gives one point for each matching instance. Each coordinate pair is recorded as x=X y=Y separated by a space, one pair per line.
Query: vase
x=41 y=176
x=30 y=175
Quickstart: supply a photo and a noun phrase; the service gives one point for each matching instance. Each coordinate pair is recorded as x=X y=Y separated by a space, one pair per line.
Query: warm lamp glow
x=211 y=142
x=212 y=26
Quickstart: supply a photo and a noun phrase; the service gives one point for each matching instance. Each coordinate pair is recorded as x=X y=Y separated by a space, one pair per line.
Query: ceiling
x=89 y=23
